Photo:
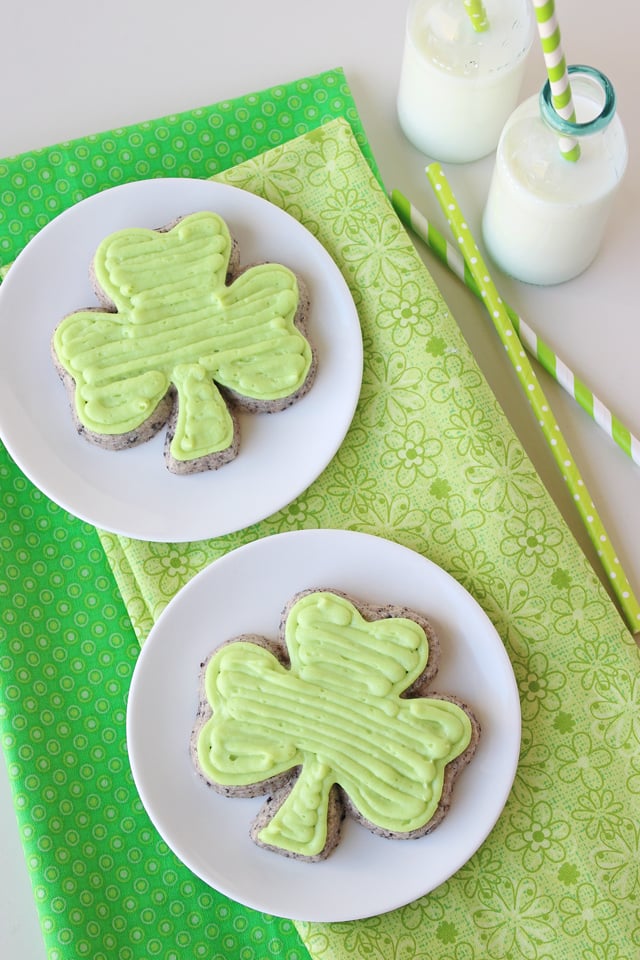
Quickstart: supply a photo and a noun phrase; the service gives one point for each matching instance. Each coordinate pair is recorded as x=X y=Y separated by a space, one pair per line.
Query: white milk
x=458 y=86
x=545 y=216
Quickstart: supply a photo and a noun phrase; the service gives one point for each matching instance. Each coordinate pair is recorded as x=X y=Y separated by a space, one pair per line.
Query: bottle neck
x=592 y=86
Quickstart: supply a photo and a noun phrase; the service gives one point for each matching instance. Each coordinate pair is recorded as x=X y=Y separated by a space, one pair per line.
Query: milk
x=458 y=86
x=545 y=217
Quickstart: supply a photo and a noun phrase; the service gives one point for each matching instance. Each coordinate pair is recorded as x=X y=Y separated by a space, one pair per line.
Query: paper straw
x=533 y=391
x=554 y=59
x=414 y=220
x=477 y=15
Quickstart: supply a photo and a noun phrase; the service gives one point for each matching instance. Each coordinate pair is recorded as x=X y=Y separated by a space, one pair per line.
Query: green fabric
x=431 y=462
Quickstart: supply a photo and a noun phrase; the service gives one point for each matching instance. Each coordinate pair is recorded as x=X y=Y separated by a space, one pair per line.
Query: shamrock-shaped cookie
x=183 y=337
x=333 y=718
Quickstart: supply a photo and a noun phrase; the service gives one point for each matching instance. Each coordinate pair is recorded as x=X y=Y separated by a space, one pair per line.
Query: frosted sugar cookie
x=335 y=718
x=183 y=337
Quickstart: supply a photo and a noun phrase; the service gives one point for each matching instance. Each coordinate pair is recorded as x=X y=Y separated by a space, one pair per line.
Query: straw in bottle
x=556 y=64
x=477 y=15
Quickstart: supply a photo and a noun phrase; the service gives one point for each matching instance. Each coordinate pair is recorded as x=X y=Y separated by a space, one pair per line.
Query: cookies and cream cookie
x=183 y=337
x=335 y=718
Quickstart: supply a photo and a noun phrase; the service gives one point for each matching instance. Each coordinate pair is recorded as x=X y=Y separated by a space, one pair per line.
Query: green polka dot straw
x=477 y=15
x=530 y=384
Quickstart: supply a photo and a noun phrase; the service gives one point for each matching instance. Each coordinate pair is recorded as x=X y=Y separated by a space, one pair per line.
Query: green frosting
x=337 y=713
x=176 y=322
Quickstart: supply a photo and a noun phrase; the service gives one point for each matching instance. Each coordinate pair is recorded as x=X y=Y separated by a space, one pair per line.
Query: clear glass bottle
x=545 y=216
x=458 y=85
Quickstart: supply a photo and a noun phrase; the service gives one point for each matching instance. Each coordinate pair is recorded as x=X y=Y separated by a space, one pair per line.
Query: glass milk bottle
x=458 y=85
x=545 y=215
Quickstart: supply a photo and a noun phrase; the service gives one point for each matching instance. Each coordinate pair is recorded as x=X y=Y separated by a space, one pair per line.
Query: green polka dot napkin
x=431 y=462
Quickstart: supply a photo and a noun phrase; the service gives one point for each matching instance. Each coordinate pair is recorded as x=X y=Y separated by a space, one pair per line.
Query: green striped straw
x=529 y=382
x=414 y=220
x=554 y=59
x=477 y=15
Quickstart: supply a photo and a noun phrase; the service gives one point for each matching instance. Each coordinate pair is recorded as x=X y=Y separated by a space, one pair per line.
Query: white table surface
x=70 y=68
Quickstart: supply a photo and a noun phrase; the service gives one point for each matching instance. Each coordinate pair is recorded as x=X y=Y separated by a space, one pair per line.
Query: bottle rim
x=571 y=128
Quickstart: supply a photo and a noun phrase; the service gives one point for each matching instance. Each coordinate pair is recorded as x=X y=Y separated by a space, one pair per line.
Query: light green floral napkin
x=431 y=462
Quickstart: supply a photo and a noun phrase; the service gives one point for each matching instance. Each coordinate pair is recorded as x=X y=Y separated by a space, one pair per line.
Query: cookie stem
x=300 y=823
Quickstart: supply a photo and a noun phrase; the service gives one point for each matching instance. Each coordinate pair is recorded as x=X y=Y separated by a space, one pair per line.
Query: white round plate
x=130 y=491
x=245 y=592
